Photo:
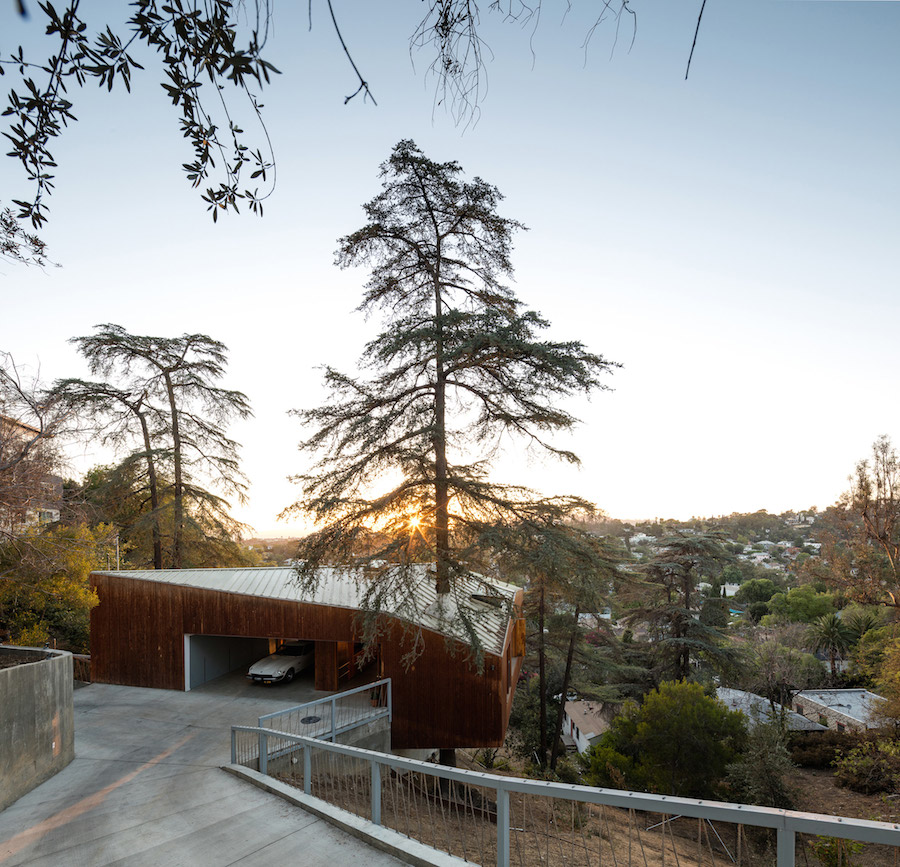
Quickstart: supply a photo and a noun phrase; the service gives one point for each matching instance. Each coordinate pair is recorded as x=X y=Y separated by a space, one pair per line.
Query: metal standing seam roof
x=342 y=588
x=858 y=704
x=757 y=707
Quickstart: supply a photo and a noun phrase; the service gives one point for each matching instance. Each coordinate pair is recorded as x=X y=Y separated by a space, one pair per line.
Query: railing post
x=333 y=719
x=263 y=753
x=390 y=703
x=503 y=828
x=233 y=747
x=307 y=769
x=785 y=848
x=376 y=793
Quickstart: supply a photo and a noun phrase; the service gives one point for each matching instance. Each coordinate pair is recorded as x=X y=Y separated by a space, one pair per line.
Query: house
x=29 y=493
x=177 y=629
x=583 y=723
x=841 y=664
x=756 y=708
x=727 y=590
x=841 y=710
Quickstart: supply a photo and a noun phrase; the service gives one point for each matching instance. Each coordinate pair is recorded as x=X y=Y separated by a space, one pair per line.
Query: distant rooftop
x=859 y=704
x=588 y=716
x=6 y=421
x=755 y=707
x=486 y=601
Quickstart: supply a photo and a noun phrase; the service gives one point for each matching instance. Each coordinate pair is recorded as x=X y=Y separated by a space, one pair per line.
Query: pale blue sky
x=732 y=239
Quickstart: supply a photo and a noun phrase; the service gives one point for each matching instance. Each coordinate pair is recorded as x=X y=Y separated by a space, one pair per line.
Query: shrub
x=834 y=852
x=678 y=742
x=871 y=767
x=817 y=749
x=567 y=772
x=759 y=775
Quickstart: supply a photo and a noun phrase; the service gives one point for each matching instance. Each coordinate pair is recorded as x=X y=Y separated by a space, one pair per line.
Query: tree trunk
x=542 y=680
x=178 y=504
x=154 y=491
x=684 y=653
x=557 y=730
x=448 y=758
x=441 y=487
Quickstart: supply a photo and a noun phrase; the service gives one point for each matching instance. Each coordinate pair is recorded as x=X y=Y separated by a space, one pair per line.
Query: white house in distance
x=841 y=710
x=583 y=723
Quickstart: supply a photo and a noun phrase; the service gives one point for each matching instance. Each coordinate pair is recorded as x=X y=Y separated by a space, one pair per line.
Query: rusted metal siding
x=441 y=700
x=326 y=661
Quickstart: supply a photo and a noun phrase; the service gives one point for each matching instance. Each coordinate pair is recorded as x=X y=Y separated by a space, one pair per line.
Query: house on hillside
x=30 y=494
x=842 y=710
x=583 y=723
x=177 y=629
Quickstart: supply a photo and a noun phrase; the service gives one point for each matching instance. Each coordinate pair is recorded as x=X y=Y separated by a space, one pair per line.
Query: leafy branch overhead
x=211 y=52
x=205 y=50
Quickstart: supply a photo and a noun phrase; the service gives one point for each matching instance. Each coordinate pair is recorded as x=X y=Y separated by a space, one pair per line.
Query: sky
x=731 y=239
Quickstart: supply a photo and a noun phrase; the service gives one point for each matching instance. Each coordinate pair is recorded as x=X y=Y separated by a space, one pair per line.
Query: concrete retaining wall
x=37 y=725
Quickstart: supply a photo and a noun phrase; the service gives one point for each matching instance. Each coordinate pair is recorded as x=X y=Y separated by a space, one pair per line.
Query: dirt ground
x=462 y=822
x=11 y=658
x=817 y=793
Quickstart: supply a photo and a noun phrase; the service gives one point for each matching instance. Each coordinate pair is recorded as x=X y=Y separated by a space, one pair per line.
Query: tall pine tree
x=404 y=449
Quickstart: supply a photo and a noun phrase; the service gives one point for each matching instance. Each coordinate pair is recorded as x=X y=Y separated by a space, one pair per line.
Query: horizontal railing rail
x=335 y=714
x=785 y=823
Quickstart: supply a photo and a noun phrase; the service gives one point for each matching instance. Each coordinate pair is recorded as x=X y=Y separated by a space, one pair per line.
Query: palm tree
x=831 y=634
x=861 y=620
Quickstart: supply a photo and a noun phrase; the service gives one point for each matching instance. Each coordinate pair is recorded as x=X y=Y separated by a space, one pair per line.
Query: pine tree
x=173 y=382
x=404 y=449
x=668 y=596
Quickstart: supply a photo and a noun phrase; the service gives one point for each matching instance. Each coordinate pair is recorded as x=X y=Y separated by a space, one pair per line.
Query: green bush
x=567 y=772
x=678 y=742
x=834 y=852
x=608 y=768
x=871 y=767
x=760 y=775
x=818 y=749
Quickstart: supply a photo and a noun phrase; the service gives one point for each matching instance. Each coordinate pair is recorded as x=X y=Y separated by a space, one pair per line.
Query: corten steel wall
x=137 y=639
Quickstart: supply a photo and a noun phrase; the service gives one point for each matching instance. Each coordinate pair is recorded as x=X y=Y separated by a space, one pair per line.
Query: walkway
x=146 y=788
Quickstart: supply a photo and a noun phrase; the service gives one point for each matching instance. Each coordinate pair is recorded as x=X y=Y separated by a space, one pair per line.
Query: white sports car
x=281 y=666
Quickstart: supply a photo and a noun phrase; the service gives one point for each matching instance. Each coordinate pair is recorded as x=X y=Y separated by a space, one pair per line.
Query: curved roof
x=477 y=604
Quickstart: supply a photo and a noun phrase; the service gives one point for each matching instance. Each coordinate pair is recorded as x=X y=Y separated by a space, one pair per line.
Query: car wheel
x=289 y=676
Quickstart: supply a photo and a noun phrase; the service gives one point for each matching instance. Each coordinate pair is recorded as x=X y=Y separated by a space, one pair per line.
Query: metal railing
x=496 y=820
x=336 y=714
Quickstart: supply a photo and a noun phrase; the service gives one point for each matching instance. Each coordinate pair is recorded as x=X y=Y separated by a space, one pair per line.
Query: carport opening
x=207 y=657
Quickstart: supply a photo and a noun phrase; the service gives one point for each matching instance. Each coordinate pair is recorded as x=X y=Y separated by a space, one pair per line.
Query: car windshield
x=293 y=650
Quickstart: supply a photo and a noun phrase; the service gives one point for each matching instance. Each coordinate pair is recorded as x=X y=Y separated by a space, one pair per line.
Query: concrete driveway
x=146 y=788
